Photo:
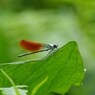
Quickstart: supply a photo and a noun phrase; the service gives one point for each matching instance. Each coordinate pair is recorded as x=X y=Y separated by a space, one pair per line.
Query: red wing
x=31 y=46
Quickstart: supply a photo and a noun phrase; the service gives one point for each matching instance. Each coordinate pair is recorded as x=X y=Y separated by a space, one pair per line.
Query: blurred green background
x=50 y=21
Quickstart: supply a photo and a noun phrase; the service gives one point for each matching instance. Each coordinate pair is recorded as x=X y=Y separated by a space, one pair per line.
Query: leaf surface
x=63 y=68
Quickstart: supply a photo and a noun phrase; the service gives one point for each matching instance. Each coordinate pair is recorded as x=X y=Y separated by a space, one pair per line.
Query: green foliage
x=12 y=82
x=56 y=73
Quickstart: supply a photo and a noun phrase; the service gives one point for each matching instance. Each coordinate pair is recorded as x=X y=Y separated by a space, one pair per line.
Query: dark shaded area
x=53 y=93
x=21 y=5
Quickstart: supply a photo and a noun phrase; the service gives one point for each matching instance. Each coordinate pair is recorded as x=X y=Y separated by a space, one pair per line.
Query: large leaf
x=56 y=73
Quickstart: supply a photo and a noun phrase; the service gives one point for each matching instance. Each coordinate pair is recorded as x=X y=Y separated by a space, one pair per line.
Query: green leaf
x=38 y=86
x=12 y=82
x=64 y=68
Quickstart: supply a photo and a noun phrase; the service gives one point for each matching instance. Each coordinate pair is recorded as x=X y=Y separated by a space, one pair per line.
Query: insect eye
x=55 y=46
